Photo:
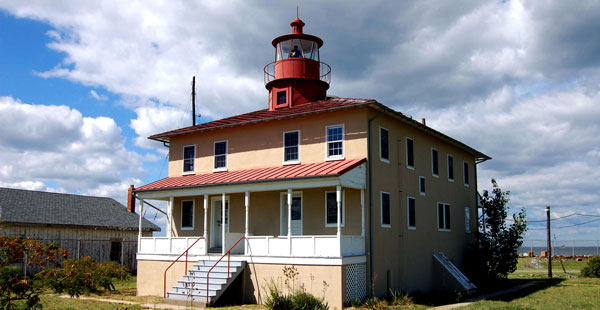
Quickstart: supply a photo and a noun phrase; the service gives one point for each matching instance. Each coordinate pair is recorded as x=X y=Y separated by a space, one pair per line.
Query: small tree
x=496 y=252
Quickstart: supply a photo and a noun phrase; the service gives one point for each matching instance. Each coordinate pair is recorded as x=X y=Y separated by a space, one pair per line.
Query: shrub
x=374 y=303
x=83 y=275
x=592 y=269
x=398 y=298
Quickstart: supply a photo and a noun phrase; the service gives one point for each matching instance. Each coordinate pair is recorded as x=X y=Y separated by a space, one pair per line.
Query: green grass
x=550 y=294
x=53 y=302
x=526 y=264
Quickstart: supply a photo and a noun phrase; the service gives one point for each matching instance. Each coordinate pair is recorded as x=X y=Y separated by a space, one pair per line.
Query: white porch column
x=362 y=209
x=223 y=226
x=140 y=225
x=247 y=205
x=338 y=200
x=205 y=235
x=289 y=219
x=170 y=205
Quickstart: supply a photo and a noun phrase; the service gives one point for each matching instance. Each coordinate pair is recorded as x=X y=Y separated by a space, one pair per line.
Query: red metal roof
x=328 y=168
x=328 y=104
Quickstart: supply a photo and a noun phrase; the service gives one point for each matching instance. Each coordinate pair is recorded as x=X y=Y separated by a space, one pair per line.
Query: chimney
x=423 y=121
x=131 y=199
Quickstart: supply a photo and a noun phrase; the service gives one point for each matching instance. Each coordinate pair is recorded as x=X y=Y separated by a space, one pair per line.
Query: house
x=349 y=191
x=98 y=227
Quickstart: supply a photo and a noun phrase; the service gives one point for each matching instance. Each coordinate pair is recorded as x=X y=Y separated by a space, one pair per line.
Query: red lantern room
x=297 y=76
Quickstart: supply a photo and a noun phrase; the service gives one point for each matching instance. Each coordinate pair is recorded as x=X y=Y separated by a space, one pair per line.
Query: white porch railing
x=306 y=246
x=173 y=245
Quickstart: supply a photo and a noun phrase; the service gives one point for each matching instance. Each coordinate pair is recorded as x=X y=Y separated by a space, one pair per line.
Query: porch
x=316 y=217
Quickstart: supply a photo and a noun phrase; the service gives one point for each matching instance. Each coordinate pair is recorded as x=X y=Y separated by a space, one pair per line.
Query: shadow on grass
x=538 y=285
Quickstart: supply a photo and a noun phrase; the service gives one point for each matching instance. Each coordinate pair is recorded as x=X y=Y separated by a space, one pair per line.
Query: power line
x=558 y=218
x=579 y=224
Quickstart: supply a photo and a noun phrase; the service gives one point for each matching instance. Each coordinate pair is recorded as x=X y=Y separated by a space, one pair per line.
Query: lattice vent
x=356 y=282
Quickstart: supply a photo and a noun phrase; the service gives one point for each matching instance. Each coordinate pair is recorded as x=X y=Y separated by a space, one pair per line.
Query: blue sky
x=83 y=85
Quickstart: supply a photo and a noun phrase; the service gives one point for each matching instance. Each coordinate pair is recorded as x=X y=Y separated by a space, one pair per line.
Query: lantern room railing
x=324 y=72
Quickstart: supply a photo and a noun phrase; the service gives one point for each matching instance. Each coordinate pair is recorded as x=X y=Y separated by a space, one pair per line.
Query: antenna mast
x=194 y=101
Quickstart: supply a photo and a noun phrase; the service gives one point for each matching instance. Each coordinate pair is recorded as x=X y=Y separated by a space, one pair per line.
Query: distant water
x=560 y=250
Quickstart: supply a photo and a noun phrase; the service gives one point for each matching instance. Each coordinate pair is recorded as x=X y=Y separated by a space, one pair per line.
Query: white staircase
x=464 y=283
x=192 y=288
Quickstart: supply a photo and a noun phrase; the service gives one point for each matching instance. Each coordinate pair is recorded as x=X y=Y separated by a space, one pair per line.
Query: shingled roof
x=19 y=206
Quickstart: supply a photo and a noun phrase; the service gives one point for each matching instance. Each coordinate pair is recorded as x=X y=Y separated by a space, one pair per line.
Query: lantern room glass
x=297 y=48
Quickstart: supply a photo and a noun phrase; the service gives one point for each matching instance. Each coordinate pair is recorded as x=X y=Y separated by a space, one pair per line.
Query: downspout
x=370 y=174
x=477 y=162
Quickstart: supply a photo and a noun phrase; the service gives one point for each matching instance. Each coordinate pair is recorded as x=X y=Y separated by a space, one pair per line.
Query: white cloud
x=95 y=95
x=43 y=143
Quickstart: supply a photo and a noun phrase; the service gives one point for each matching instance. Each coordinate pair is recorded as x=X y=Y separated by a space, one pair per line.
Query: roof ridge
x=55 y=193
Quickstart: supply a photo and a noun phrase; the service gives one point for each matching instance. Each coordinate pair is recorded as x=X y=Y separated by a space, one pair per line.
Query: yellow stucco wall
x=403 y=257
x=150 y=276
x=261 y=145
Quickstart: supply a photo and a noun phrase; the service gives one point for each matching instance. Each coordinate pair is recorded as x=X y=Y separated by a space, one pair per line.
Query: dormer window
x=220 y=156
x=281 y=97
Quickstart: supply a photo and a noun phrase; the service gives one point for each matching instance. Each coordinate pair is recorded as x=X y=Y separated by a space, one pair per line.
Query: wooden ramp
x=463 y=282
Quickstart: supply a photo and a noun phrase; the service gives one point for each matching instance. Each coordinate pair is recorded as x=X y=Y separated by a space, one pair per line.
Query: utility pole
x=549 y=242
x=194 y=101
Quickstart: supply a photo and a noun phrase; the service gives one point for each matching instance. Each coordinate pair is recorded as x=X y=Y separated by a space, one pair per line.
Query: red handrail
x=228 y=253
x=186 y=270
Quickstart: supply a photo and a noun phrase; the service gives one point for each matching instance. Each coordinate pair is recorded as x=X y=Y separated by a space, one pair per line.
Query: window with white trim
x=450 y=168
x=335 y=141
x=422 y=186
x=467 y=220
x=412 y=216
x=220 y=155
x=331 y=209
x=466 y=173
x=384 y=145
x=291 y=146
x=443 y=214
x=187 y=215
x=410 y=153
x=384 y=202
x=189 y=156
x=434 y=163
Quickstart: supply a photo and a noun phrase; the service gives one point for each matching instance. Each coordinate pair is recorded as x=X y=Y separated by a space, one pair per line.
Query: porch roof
x=300 y=171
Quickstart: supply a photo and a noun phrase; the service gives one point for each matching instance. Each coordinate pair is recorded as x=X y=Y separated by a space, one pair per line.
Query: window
x=335 y=141
x=296 y=208
x=331 y=209
x=443 y=216
x=115 y=251
x=291 y=143
x=189 y=155
x=466 y=173
x=467 y=220
x=422 y=186
x=384 y=146
x=410 y=157
x=434 y=163
x=450 y=168
x=220 y=156
x=385 y=209
x=187 y=215
x=412 y=217
x=281 y=97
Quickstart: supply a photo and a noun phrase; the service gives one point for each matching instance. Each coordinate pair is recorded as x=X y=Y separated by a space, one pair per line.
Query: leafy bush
x=83 y=276
x=13 y=287
x=592 y=269
x=305 y=301
x=374 y=303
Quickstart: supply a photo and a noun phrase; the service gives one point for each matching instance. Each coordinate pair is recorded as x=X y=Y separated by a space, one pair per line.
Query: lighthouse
x=297 y=76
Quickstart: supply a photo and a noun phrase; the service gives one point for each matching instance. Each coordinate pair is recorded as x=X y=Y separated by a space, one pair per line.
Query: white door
x=216 y=231
x=296 y=214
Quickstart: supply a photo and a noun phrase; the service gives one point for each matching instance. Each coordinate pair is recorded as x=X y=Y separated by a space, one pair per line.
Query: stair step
x=211 y=263
x=215 y=269
x=213 y=274
x=198 y=279
x=198 y=285
x=180 y=296
x=193 y=292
